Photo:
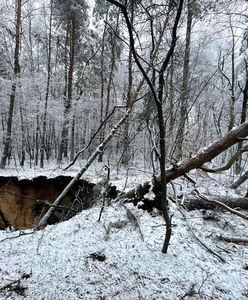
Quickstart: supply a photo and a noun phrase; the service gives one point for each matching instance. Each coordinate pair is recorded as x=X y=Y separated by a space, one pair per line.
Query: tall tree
x=158 y=100
x=49 y=54
x=183 y=104
x=72 y=18
x=8 y=133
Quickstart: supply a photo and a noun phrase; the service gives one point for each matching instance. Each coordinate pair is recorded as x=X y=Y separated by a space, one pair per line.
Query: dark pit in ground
x=24 y=201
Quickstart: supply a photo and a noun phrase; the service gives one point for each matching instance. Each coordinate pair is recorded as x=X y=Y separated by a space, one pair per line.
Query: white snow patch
x=58 y=259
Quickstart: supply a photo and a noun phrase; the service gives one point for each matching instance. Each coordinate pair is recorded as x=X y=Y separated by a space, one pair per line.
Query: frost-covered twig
x=17 y=236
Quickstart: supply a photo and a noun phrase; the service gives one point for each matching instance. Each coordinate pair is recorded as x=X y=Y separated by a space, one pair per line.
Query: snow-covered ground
x=111 y=259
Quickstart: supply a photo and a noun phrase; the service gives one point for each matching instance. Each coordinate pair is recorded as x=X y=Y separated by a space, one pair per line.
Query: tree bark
x=235 y=240
x=22 y=157
x=126 y=140
x=103 y=80
x=184 y=90
x=44 y=125
x=64 y=135
x=232 y=87
x=8 y=134
x=198 y=203
x=243 y=118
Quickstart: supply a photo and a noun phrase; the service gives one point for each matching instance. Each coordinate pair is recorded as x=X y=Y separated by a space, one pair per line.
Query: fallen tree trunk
x=235 y=240
x=43 y=221
x=197 y=203
x=203 y=156
x=194 y=202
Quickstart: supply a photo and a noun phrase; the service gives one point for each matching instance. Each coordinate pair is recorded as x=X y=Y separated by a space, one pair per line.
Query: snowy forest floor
x=85 y=259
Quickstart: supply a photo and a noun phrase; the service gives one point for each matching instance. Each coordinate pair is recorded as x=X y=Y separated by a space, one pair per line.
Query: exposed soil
x=23 y=201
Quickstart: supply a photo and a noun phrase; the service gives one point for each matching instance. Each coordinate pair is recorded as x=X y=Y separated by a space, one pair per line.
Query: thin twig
x=17 y=236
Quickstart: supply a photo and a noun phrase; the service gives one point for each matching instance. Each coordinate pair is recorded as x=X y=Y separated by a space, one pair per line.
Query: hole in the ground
x=22 y=202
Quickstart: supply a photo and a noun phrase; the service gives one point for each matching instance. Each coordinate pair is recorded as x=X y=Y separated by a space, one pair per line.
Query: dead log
x=235 y=240
x=192 y=203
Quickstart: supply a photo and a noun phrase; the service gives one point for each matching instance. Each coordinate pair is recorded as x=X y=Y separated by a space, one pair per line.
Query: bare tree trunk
x=233 y=99
x=185 y=89
x=110 y=81
x=72 y=144
x=23 y=139
x=158 y=99
x=171 y=101
x=8 y=133
x=37 y=139
x=243 y=119
x=100 y=157
x=44 y=125
x=64 y=133
x=126 y=147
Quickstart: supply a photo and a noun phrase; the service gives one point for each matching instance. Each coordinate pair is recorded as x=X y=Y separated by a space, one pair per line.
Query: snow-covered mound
x=112 y=259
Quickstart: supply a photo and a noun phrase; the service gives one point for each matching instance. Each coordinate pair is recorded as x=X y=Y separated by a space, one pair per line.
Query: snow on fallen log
x=192 y=203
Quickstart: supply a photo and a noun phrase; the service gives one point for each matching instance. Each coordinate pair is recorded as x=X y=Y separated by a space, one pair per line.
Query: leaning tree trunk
x=8 y=133
x=99 y=149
